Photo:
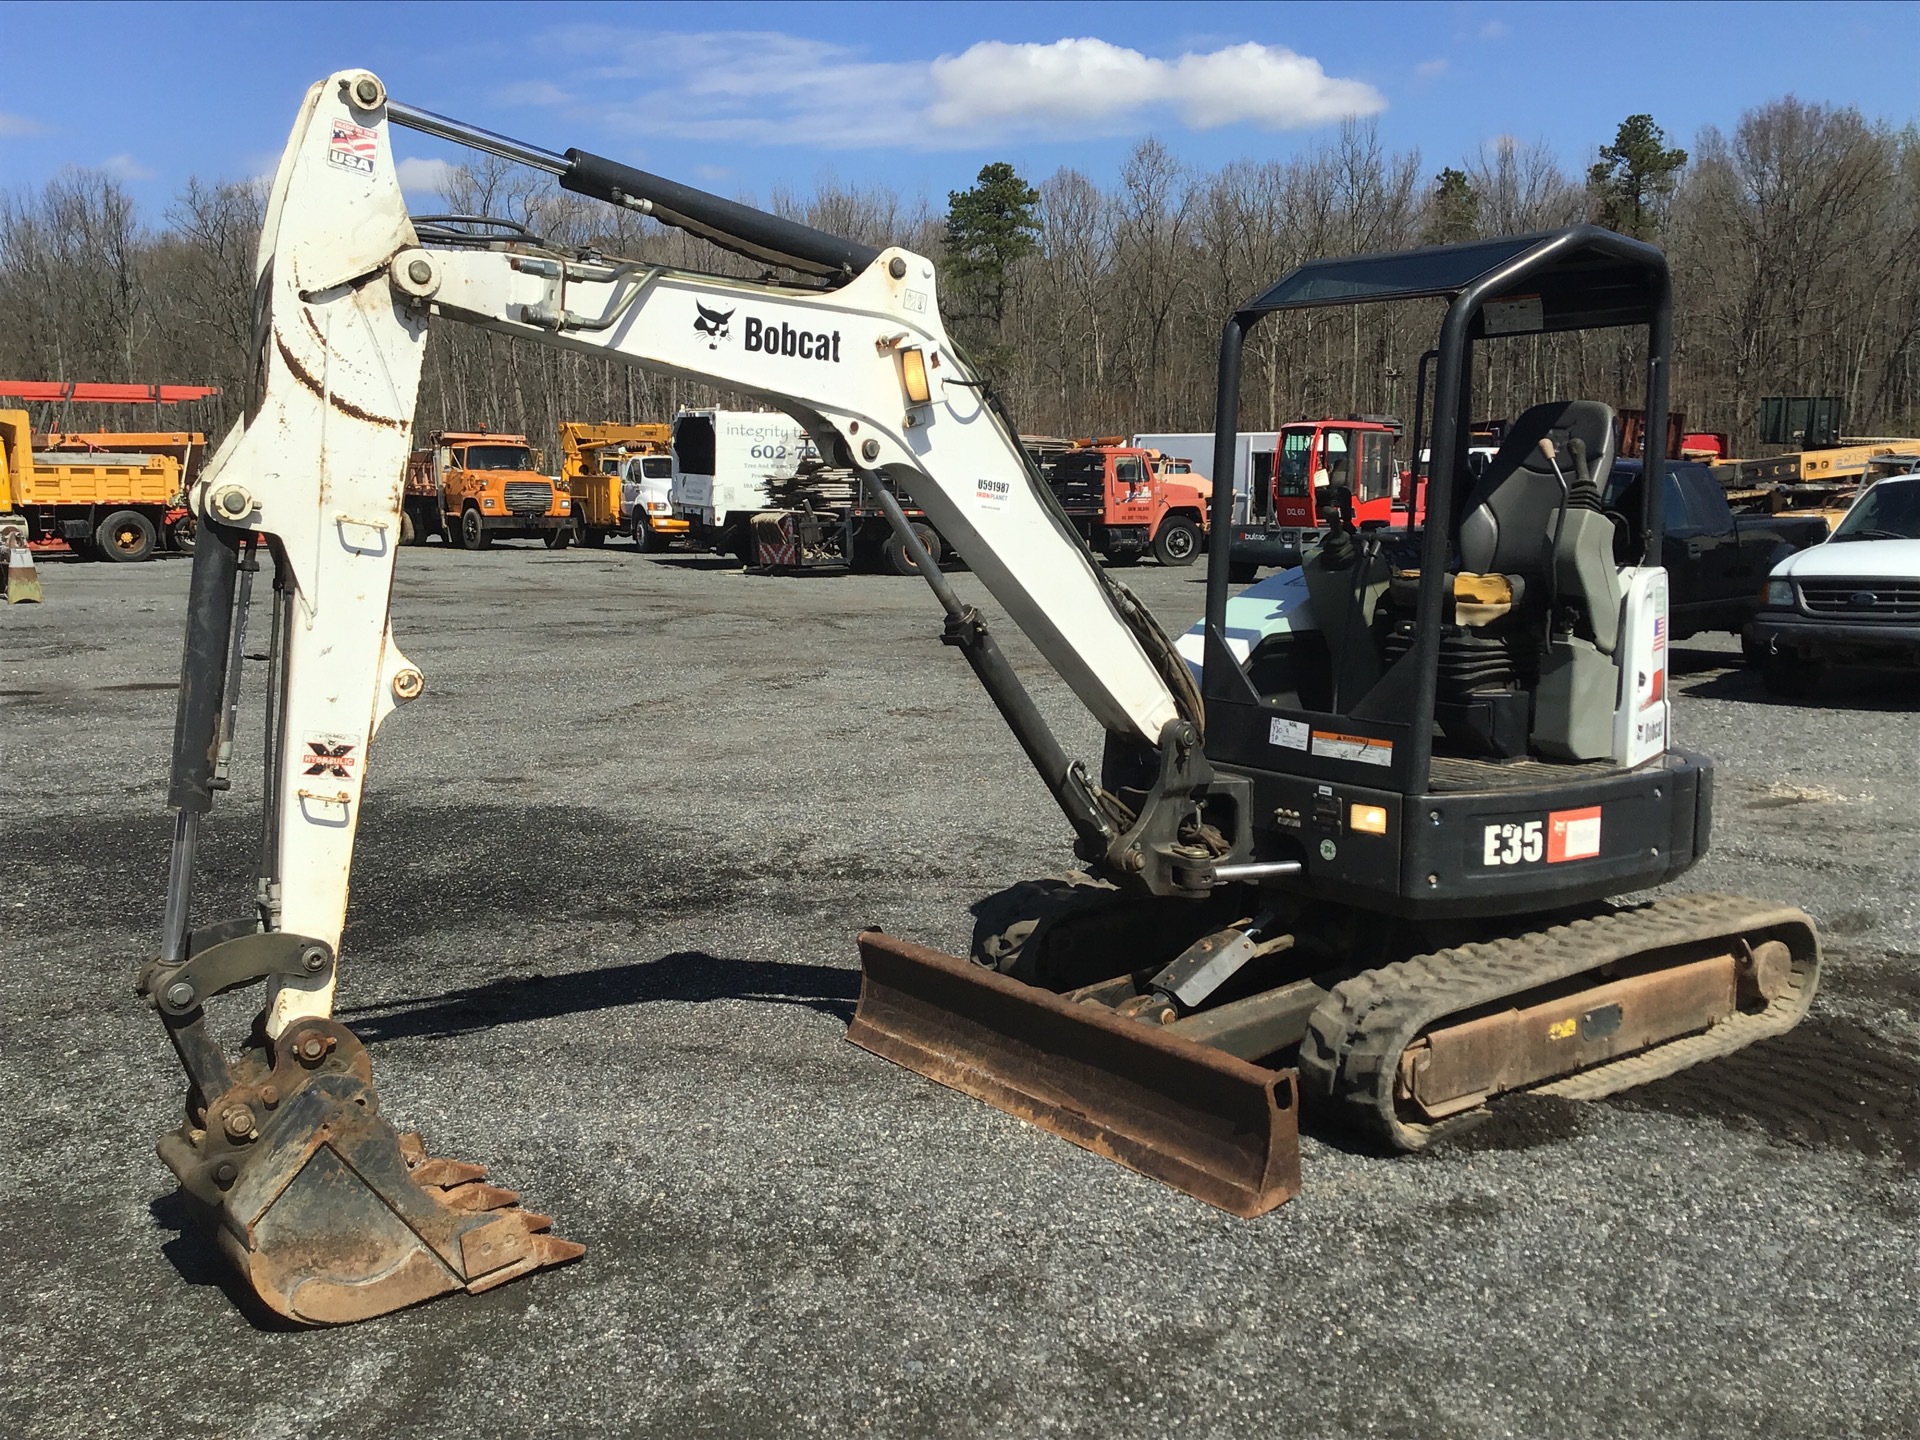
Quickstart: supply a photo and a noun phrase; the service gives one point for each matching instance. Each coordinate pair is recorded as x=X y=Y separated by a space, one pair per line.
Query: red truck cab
x=1125 y=501
x=1290 y=513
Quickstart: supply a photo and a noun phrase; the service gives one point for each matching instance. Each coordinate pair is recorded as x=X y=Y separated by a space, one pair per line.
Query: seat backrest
x=1508 y=527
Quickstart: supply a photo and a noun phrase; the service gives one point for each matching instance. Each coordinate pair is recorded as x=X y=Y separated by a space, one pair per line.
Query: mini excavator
x=1363 y=851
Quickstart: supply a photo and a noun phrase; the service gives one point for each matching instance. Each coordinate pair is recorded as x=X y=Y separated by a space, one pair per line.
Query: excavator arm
x=331 y=1213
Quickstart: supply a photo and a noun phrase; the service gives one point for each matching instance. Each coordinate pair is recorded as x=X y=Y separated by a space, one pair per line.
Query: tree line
x=1096 y=308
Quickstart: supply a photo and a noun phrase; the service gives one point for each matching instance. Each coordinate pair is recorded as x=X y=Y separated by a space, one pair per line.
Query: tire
x=473 y=530
x=126 y=536
x=1242 y=572
x=900 y=562
x=1790 y=677
x=589 y=537
x=1124 y=558
x=645 y=539
x=1178 y=541
x=181 y=532
x=409 y=532
x=558 y=538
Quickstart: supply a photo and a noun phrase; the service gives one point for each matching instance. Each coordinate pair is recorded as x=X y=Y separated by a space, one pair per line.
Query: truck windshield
x=1889 y=511
x=1296 y=453
x=497 y=457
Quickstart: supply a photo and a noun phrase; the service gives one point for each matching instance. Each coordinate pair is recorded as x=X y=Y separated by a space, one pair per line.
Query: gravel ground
x=601 y=939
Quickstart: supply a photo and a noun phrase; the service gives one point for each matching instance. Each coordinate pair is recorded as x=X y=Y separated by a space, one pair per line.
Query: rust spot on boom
x=345 y=407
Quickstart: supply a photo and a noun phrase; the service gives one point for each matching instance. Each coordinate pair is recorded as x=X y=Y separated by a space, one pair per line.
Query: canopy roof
x=1578 y=278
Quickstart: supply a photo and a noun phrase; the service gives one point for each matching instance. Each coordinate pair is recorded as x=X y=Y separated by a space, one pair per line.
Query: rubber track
x=1354 y=1041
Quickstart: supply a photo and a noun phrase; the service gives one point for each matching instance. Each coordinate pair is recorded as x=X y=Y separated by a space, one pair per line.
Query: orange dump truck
x=475 y=487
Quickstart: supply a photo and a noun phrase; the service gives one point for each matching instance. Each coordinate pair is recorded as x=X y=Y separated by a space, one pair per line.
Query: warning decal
x=352 y=147
x=1361 y=749
x=1573 y=835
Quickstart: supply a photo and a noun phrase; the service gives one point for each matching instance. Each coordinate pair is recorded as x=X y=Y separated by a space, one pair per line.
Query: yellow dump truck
x=119 y=503
x=620 y=478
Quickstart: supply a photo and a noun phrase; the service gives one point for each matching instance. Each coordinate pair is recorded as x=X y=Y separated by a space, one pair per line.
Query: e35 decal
x=1514 y=842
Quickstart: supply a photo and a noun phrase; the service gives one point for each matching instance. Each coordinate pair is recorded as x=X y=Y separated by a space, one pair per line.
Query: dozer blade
x=331 y=1214
x=1219 y=1128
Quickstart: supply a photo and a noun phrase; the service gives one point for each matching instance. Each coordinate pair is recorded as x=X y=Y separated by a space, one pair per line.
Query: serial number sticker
x=1294 y=734
x=1362 y=749
x=1573 y=835
x=992 y=494
x=352 y=147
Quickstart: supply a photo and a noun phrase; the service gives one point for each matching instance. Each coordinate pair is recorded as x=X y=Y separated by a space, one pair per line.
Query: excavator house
x=1364 y=860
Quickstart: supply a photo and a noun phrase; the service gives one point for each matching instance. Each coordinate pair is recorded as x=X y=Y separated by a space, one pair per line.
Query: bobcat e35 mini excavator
x=1375 y=843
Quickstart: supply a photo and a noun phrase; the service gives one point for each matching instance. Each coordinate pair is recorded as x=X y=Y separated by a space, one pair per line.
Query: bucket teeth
x=446 y=1173
x=334 y=1216
x=475 y=1196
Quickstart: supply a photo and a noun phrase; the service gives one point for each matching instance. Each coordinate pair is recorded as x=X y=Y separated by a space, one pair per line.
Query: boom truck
x=613 y=488
x=1371 y=860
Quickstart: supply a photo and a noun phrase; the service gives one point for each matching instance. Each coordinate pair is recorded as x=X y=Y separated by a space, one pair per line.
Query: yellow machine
x=619 y=477
x=114 y=504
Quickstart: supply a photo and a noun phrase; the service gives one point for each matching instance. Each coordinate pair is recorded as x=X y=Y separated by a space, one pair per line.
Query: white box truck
x=1252 y=459
x=722 y=461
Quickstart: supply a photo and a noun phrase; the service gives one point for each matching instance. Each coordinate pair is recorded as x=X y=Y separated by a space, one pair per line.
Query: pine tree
x=989 y=228
x=1453 y=209
x=1629 y=187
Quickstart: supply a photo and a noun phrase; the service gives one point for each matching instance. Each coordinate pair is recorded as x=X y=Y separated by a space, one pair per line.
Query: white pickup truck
x=1852 y=600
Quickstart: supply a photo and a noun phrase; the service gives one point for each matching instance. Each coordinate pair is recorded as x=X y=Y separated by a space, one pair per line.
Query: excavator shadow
x=197 y=1260
x=689 y=976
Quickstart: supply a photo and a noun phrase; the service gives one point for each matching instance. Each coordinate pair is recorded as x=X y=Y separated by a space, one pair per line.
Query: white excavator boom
x=347 y=292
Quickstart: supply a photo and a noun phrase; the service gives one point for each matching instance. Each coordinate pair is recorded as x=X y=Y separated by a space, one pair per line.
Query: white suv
x=1852 y=600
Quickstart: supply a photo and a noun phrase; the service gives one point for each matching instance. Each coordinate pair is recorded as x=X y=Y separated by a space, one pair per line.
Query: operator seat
x=1530 y=520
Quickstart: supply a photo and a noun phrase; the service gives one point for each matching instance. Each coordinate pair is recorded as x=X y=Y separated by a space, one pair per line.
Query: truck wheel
x=1178 y=541
x=558 y=538
x=589 y=536
x=896 y=553
x=125 y=535
x=473 y=530
x=1242 y=572
x=1790 y=677
x=181 y=532
x=645 y=539
x=409 y=533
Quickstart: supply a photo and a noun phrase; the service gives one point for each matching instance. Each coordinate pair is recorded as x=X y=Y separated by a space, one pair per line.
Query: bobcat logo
x=714 y=324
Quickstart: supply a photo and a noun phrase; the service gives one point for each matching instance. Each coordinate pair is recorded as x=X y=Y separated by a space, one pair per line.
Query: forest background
x=1794 y=239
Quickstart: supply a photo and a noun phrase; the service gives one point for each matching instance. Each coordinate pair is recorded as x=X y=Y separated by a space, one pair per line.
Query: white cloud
x=125 y=167
x=424 y=177
x=532 y=92
x=1427 y=69
x=12 y=125
x=1494 y=30
x=774 y=88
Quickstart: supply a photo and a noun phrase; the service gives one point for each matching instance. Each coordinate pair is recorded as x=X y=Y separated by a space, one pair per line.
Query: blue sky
x=742 y=97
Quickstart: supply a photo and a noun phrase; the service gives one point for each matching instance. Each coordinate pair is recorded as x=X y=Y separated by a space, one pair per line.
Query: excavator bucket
x=329 y=1213
x=1220 y=1128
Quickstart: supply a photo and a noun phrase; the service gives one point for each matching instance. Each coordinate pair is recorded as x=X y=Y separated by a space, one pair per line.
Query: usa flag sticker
x=1573 y=835
x=352 y=147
